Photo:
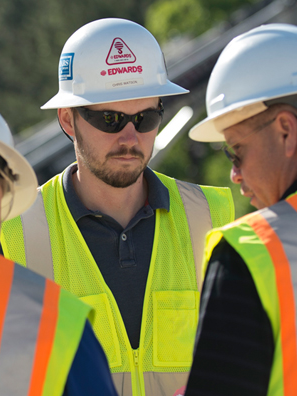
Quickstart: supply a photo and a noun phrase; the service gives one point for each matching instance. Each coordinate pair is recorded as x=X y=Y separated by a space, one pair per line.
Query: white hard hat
x=24 y=191
x=255 y=69
x=111 y=60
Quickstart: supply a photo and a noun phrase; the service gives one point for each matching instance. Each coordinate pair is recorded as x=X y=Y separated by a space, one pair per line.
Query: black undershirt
x=234 y=338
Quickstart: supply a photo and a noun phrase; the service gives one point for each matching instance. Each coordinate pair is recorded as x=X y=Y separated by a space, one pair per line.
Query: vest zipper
x=136 y=364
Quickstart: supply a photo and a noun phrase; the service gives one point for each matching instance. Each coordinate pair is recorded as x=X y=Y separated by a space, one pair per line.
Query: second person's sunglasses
x=115 y=121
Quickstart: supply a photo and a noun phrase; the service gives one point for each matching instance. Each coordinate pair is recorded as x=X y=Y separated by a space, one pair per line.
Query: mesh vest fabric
x=59 y=318
x=255 y=240
x=220 y=214
x=170 y=308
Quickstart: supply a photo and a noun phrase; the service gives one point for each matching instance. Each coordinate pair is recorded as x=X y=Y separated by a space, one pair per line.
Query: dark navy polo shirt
x=122 y=255
x=89 y=374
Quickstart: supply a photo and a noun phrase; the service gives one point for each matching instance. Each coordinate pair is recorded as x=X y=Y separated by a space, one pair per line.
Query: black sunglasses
x=115 y=121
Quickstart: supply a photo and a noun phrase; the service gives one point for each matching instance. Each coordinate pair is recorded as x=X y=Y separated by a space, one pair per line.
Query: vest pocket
x=104 y=327
x=175 y=318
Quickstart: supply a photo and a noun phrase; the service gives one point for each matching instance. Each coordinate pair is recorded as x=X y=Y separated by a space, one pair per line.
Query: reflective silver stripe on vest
x=167 y=383
x=199 y=220
x=37 y=239
x=20 y=332
x=122 y=383
x=283 y=220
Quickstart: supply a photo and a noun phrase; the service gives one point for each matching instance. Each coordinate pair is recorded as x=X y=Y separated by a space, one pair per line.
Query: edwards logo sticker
x=119 y=53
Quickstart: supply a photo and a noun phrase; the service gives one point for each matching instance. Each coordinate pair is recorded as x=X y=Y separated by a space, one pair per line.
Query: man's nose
x=128 y=135
x=235 y=175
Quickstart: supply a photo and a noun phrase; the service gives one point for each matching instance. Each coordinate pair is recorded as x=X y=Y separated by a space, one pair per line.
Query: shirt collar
x=158 y=194
x=290 y=190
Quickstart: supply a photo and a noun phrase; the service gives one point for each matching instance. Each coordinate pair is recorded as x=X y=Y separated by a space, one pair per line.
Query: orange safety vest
x=267 y=242
x=40 y=329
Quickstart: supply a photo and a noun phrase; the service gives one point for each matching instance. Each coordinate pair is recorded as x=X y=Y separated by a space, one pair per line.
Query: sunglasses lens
x=113 y=122
x=147 y=121
x=109 y=121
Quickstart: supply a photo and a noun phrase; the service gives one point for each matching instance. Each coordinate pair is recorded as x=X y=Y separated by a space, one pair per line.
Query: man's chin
x=256 y=203
x=121 y=180
x=249 y=195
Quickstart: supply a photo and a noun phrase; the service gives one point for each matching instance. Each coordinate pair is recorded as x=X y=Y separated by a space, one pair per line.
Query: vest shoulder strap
x=206 y=207
x=37 y=239
x=221 y=205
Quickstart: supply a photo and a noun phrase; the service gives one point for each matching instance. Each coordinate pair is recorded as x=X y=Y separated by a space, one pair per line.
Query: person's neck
x=119 y=203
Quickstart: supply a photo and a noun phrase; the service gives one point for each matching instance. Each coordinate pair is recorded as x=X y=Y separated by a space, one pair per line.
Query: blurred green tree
x=169 y=18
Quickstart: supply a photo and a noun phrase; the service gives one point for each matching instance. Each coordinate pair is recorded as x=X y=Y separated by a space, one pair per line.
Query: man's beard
x=121 y=178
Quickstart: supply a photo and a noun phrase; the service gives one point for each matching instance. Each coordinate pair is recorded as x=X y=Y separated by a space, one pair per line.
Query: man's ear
x=287 y=123
x=66 y=119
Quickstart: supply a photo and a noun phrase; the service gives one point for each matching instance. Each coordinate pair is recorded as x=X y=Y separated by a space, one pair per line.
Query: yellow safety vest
x=170 y=310
x=267 y=242
x=40 y=329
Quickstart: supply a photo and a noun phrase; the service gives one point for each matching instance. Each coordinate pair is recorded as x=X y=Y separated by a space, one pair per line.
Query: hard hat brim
x=65 y=99
x=25 y=188
x=211 y=129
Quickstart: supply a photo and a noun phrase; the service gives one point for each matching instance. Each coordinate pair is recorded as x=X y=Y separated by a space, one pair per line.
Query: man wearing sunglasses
x=246 y=340
x=123 y=238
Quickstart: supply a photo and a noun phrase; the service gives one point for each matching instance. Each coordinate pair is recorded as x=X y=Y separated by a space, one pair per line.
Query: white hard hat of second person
x=111 y=60
x=256 y=69
x=22 y=189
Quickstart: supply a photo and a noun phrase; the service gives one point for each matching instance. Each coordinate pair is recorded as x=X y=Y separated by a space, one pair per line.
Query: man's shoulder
x=56 y=179
x=225 y=191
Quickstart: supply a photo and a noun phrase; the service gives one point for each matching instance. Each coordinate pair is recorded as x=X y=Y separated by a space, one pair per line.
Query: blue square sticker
x=65 y=67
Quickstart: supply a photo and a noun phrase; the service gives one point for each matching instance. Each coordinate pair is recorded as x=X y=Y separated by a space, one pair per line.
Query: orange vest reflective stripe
x=32 y=361
x=267 y=242
x=273 y=228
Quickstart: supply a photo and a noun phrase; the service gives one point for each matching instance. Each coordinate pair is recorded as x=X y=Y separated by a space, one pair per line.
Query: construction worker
x=47 y=345
x=246 y=337
x=121 y=237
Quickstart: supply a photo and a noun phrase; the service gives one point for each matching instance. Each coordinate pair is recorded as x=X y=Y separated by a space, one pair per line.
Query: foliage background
x=33 y=33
